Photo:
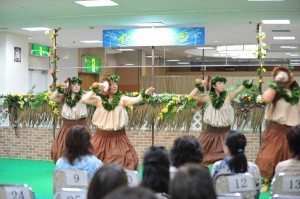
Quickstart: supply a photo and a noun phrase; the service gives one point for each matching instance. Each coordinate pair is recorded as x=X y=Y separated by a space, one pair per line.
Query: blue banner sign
x=188 y=36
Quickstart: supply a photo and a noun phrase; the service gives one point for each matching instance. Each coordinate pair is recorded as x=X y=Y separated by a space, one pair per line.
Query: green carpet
x=38 y=175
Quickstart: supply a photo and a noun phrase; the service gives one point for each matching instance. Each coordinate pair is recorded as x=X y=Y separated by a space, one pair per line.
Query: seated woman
x=236 y=161
x=106 y=179
x=185 y=149
x=192 y=181
x=293 y=164
x=156 y=174
x=77 y=153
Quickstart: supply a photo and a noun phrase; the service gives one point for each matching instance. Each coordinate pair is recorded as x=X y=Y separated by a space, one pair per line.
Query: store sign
x=40 y=50
x=187 y=36
x=92 y=64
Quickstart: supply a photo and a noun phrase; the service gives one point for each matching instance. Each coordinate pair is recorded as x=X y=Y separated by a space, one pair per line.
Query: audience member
x=185 y=149
x=131 y=193
x=106 y=179
x=192 y=181
x=293 y=164
x=236 y=161
x=156 y=175
x=77 y=153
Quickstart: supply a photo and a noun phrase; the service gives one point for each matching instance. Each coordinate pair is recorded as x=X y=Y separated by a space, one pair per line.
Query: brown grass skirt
x=59 y=142
x=211 y=141
x=115 y=147
x=273 y=150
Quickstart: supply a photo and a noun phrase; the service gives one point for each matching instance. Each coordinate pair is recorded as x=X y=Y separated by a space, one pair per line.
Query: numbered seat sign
x=73 y=194
x=238 y=183
x=133 y=178
x=76 y=178
x=291 y=183
x=15 y=192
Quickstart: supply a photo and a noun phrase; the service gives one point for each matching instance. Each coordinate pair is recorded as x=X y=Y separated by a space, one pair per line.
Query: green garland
x=217 y=102
x=114 y=78
x=72 y=102
x=200 y=88
x=142 y=93
x=105 y=103
x=281 y=91
x=246 y=85
x=75 y=80
x=60 y=90
x=218 y=79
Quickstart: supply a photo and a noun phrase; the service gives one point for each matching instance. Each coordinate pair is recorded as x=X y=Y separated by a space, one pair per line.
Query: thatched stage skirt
x=211 y=141
x=115 y=147
x=59 y=142
x=273 y=150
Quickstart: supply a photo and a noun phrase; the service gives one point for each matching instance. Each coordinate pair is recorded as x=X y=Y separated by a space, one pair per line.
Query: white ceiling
x=226 y=21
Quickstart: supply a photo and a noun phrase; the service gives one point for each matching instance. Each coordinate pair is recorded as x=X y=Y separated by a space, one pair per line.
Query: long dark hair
x=293 y=138
x=236 y=142
x=106 y=179
x=156 y=175
x=77 y=143
x=186 y=149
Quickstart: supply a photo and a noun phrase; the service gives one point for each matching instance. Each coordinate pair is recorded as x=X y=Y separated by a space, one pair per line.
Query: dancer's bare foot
x=265 y=185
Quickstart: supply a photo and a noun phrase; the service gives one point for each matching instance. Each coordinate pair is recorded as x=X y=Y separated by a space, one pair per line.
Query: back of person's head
x=107 y=178
x=186 y=149
x=131 y=193
x=293 y=138
x=156 y=164
x=77 y=143
x=192 y=181
x=236 y=143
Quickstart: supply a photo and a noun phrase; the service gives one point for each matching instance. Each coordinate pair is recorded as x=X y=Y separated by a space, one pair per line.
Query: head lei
x=111 y=78
x=75 y=80
x=218 y=79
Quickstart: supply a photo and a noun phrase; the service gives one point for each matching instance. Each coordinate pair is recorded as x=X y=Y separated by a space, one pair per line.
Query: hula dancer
x=110 y=141
x=282 y=112
x=73 y=111
x=218 y=116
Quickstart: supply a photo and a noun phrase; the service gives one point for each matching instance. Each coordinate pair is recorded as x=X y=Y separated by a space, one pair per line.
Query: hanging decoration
x=261 y=53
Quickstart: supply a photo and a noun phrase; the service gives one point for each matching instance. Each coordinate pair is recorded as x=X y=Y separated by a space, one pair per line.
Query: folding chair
x=133 y=178
x=286 y=185
x=67 y=178
x=242 y=183
x=69 y=193
x=230 y=196
x=11 y=191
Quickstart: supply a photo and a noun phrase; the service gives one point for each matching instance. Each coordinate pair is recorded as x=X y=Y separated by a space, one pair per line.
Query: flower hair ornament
x=218 y=79
x=75 y=80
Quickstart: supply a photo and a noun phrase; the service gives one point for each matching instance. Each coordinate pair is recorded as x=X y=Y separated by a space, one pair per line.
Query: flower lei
x=72 y=102
x=281 y=91
x=105 y=103
x=75 y=80
x=216 y=101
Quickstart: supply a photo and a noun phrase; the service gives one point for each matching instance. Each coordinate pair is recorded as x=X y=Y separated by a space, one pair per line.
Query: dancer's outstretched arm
x=126 y=100
x=234 y=93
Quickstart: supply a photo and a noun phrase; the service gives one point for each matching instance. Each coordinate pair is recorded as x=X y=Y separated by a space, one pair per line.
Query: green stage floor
x=38 y=175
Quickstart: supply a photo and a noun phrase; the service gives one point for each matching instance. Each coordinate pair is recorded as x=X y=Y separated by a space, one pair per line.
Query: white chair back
x=66 y=178
x=230 y=196
x=133 y=178
x=10 y=191
x=71 y=193
x=286 y=184
x=242 y=183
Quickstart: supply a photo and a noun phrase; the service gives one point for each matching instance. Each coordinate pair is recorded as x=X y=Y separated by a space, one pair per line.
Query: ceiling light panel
x=97 y=3
x=276 y=21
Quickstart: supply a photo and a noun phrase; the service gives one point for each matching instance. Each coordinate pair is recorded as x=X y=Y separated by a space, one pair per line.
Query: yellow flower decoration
x=165 y=110
x=56 y=111
x=261 y=81
x=264 y=70
x=189 y=97
x=52 y=103
x=21 y=104
x=130 y=107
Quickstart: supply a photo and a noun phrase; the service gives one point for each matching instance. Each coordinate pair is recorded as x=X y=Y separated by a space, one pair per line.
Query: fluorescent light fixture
x=205 y=48
x=294 y=55
x=289 y=47
x=150 y=24
x=125 y=49
x=183 y=63
x=276 y=21
x=287 y=53
x=172 y=60
x=284 y=38
x=150 y=56
x=295 y=60
x=216 y=41
x=92 y=42
x=265 y=0
x=36 y=29
x=97 y=3
x=129 y=64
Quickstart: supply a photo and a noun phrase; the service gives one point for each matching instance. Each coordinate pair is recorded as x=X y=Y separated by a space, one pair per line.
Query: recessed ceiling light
x=289 y=47
x=172 y=60
x=150 y=24
x=36 y=29
x=125 y=49
x=92 y=42
x=276 y=21
x=284 y=38
x=205 y=48
x=97 y=3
